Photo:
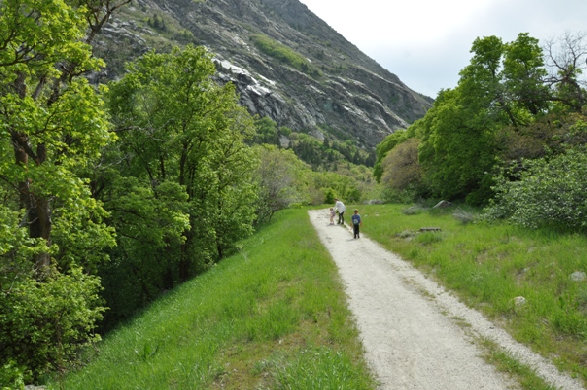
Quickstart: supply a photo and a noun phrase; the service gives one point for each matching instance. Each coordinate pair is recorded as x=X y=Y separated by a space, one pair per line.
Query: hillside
x=287 y=64
x=271 y=317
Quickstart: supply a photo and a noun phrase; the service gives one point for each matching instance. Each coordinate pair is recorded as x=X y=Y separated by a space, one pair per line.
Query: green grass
x=504 y=362
x=272 y=317
x=490 y=265
x=284 y=54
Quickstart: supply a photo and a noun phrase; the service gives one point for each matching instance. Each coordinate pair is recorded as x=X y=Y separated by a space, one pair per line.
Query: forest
x=114 y=194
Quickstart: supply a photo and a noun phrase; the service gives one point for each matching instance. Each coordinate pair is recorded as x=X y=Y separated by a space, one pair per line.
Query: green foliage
x=11 y=376
x=552 y=133
x=157 y=22
x=550 y=192
x=386 y=145
x=44 y=324
x=179 y=182
x=280 y=176
x=500 y=111
x=345 y=185
x=150 y=226
x=267 y=132
x=330 y=196
x=328 y=153
x=400 y=167
x=284 y=54
x=53 y=232
x=455 y=152
x=524 y=74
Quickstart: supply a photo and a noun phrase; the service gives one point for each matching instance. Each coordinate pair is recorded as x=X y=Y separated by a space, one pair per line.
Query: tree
x=266 y=131
x=52 y=130
x=385 y=146
x=524 y=74
x=567 y=60
x=456 y=149
x=401 y=170
x=502 y=86
x=178 y=128
x=279 y=177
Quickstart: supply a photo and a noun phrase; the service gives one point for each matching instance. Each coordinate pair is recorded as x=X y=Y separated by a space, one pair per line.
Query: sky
x=427 y=42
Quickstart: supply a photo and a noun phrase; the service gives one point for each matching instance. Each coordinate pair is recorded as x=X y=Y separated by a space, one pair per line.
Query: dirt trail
x=416 y=334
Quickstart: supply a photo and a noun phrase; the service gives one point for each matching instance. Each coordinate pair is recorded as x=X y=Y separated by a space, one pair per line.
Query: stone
x=578 y=276
x=519 y=301
x=442 y=204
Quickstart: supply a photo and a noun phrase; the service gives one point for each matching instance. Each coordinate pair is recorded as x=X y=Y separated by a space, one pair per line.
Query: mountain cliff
x=286 y=63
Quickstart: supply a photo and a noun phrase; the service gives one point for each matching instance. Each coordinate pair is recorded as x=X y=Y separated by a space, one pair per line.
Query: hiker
x=356 y=218
x=340 y=207
x=332 y=214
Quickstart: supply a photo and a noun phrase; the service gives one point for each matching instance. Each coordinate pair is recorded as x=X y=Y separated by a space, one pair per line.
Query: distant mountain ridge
x=286 y=63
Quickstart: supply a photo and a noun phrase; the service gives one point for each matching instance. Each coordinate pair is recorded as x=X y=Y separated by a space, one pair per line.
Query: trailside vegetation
x=271 y=316
x=516 y=117
x=53 y=233
x=113 y=194
x=178 y=184
x=530 y=281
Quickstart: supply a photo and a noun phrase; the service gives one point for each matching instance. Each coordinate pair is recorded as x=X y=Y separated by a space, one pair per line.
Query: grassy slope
x=490 y=265
x=273 y=316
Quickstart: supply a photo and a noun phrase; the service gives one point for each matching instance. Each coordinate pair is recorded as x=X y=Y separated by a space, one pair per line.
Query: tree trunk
x=38 y=212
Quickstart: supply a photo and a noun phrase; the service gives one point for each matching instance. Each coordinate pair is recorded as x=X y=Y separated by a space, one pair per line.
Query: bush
x=42 y=325
x=329 y=196
x=549 y=193
x=11 y=376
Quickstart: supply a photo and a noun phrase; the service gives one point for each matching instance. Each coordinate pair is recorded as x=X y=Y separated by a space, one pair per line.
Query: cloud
x=427 y=42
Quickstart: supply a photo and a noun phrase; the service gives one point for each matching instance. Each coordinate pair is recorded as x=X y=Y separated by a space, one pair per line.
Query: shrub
x=400 y=167
x=550 y=192
x=329 y=196
x=43 y=324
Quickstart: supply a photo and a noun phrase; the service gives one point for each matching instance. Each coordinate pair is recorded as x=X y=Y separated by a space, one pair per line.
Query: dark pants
x=356 y=231
x=341 y=217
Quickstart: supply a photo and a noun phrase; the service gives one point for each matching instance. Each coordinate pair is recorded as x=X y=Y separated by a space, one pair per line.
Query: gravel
x=415 y=333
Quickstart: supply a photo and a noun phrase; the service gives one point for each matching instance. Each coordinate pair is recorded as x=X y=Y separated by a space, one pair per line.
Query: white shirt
x=340 y=206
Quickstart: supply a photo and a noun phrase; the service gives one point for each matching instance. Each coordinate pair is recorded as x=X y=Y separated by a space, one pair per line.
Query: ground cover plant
x=272 y=316
x=490 y=265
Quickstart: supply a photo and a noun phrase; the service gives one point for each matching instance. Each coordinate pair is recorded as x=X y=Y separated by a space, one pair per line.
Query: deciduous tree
x=177 y=127
x=52 y=129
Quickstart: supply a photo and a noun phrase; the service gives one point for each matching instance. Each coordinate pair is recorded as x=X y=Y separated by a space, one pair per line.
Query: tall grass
x=271 y=317
x=490 y=265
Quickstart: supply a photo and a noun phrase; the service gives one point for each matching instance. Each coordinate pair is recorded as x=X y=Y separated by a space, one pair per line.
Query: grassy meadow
x=488 y=266
x=272 y=316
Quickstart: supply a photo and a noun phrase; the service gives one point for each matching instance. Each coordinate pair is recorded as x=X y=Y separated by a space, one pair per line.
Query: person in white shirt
x=340 y=207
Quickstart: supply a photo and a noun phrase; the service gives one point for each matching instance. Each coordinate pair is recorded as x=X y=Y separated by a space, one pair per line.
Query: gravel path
x=417 y=335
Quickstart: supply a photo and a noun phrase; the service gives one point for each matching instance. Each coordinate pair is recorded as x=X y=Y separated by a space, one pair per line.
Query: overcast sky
x=426 y=42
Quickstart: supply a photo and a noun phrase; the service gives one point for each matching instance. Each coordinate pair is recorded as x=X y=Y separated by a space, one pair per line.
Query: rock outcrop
x=326 y=86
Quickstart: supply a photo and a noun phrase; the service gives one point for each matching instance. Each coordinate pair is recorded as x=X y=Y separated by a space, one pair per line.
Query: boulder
x=578 y=276
x=442 y=204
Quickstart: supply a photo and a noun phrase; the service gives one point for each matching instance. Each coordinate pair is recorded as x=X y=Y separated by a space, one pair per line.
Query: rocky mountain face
x=286 y=63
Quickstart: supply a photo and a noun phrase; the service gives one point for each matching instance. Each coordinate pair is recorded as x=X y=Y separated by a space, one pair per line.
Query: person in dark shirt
x=356 y=219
